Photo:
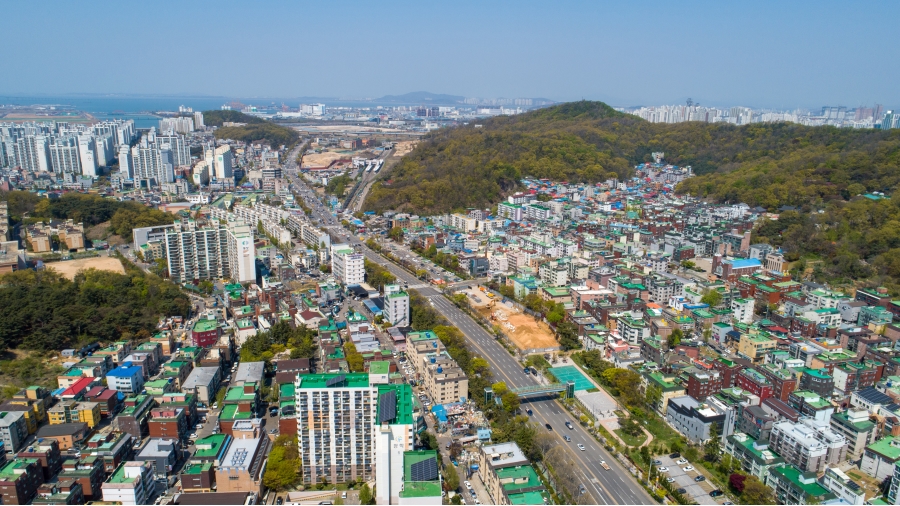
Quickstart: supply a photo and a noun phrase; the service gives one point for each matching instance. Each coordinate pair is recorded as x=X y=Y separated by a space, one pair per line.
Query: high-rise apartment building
x=210 y=252
x=181 y=151
x=181 y=125
x=64 y=156
x=220 y=162
x=396 y=306
x=347 y=422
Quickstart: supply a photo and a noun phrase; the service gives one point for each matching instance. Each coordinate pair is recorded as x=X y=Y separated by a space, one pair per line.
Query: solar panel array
x=424 y=471
x=337 y=380
x=387 y=408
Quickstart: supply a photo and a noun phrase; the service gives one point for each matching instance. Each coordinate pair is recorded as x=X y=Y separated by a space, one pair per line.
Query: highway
x=615 y=486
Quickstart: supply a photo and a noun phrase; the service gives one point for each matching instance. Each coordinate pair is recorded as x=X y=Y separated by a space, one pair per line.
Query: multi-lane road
x=615 y=486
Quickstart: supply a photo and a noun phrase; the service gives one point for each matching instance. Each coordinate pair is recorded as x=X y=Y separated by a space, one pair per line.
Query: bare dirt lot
x=525 y=332
x=403 y=147
x=69 y=268
x=322 y=159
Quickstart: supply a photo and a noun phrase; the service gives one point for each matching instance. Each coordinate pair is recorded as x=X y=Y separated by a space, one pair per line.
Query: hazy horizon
x=764 y=55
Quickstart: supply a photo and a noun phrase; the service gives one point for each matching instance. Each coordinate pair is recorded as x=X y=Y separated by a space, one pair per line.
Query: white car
x=687 y=468
x=194 y=436
x=681 y=462
x=581 y=447
x=663 y=469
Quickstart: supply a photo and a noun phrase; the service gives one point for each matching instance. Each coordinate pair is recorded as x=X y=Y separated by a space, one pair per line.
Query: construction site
x=522 y=329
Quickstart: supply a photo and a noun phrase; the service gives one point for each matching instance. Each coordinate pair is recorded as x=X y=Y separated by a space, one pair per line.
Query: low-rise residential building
x=241 y=469
x=445 y=381
x=810 y=445
x=693 y=419
x=793 y=486
x=132 y=483
x=13 y=430
x=19 y=481
x=854 y=424
x=838 y=483
x=879 y=457
x=754 y=455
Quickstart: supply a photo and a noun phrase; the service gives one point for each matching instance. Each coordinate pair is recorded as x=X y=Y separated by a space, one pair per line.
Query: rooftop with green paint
x=889 y=447
x=803 y=481
x=205 y=325
x=379 y=367
x=404 y=396
x=197 y=467
x=411 y=488
x=230 y=412
x=212 y=446
x=12 y=469
x=350 y=380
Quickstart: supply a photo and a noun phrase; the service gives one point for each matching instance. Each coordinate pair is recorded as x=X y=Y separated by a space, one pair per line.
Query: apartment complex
x=344 y=421
x=213 y=251
x=347 y=265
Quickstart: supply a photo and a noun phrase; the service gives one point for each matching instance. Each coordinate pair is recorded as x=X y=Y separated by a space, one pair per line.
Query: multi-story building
x=701 y=383
x=69 y=411
x=839 y=484
x=347 y=265
x=445 y=381
x=694 y=419
x=742 y=310
x=126 y=378
x=810 y=445
x=854 y=424
x=754 y=454
x=793 y=486
x=508 y=476
x=210 y=252
x=19 y=480
x=343 y=420
x=396 y=308
x=783 y=381
x=13 y=430
x=132 y=483
x=880 y=457
x=755 y=383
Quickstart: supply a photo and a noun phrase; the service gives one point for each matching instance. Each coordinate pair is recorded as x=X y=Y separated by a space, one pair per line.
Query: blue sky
x=761 y=54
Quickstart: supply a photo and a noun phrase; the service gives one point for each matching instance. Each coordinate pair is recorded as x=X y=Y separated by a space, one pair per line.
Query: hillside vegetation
x=761 y=164
x=255 y=130
x=85 y=208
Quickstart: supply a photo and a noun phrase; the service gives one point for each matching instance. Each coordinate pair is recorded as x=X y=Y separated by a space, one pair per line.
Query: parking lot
x=699 y=491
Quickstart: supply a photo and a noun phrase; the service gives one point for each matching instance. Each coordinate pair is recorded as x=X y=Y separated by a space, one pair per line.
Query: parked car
x=715 y=493
x=681 y=462
x=663 y=469
x=675 y=455
x=687 y=468
x=681 y=491
x=657 y=462
x=700 y=478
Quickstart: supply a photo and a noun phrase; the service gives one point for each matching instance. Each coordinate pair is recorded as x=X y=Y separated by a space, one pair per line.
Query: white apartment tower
x=396 y=306
x=351 y=428
x=211 y=252
x=220 y=162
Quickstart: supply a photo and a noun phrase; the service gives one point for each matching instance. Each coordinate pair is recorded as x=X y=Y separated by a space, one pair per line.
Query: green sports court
x=571 y=373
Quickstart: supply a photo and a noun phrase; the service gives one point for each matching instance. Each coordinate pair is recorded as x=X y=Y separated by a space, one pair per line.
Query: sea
x=142 y=109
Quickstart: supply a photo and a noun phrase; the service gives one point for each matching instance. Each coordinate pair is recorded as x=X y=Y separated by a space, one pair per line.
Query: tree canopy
x=256 y=129
x=42 y=310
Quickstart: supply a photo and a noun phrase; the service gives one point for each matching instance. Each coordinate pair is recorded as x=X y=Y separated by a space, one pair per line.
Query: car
x=663 y=469
x=657 y=462
x=467 y=484
x=194 y=436
x=273 y=412
x=548 y=426
x=344 y=494
x=273 y=431
x=675 y=455
x=581 y=447
x=472 y=491
x=527 y=370
x=215 y=405
x=569 y=425
x=687 y=468
x=530 y=412
x=198 y=426
x=727 y=503
x=681 y=491
x=279 y=501
x=567 y=439
x=670 y=480
x=715 y=493
x=700 y=478
x=681 y=462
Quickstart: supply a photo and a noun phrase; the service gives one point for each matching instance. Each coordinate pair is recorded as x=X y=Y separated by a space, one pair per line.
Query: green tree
x=396 y=234
x=712 y=297
x=755 y=492
x=712 y=447
x=365 y=495
x=653 y=395
x=567 y=333
x=451 y=478
x=675 y=337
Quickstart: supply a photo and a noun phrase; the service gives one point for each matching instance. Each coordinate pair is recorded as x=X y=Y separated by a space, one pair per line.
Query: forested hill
x=762 y=164
x=256 y=129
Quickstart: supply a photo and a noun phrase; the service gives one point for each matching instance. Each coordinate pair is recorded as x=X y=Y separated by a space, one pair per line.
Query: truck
x=604 y=465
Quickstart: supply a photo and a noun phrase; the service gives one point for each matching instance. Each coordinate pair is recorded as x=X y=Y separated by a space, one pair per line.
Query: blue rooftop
x=125 y=371
x=745 y=262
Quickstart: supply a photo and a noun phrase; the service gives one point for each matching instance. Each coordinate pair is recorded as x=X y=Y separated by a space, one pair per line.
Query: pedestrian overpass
x=567 y=388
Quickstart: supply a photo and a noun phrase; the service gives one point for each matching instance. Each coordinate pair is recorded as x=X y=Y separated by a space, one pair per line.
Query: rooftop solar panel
x=337 y=380
x=424 y=471
x=387 y=408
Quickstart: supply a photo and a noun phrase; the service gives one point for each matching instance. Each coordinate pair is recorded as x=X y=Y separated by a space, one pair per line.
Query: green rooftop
x=286 y=391
x=528 y=498
x=809 y=485
x=237 y=394
x=12 y=469
x=205 y=325
x=230 y=412
x=418 y=488
x=889 y=447
x=379 y=367
x=518 y=478
x=350 y=380
x=198 y=467
x=211 y=446
x=404 y=395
